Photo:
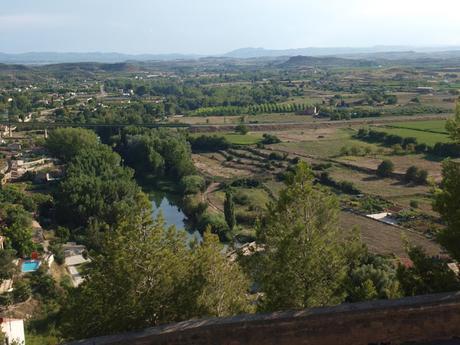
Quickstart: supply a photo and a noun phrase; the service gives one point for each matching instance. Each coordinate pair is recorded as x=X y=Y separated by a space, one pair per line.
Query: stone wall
x=415 y=319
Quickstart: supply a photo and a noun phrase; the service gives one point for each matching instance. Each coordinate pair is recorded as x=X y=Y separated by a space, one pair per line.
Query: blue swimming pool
x=30 y=266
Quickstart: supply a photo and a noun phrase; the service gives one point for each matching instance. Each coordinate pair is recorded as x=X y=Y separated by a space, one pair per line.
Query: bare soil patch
x=212 y=167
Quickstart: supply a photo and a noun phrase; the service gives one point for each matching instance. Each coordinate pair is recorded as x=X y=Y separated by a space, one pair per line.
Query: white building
x=13 y=330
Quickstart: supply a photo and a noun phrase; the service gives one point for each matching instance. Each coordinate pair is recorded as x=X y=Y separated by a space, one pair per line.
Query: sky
x=219 y=26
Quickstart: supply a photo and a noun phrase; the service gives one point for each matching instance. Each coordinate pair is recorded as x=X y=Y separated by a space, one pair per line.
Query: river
x=168 y=205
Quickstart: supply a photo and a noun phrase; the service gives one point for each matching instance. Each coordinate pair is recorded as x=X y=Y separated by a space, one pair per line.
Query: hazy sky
x=218 y=26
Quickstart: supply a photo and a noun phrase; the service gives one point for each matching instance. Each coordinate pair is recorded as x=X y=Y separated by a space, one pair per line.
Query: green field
x=428 y=138
x=438 y=126
x=236 y=139
x=240 y=139
x=323 y=148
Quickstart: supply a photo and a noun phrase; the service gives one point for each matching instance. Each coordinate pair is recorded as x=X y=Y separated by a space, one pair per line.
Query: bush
x=413 y=203
x=348 y=187
x=368 y=150
x=58 y=252
x=372 y=204
x=295 y=160
x=6 y=299
x=192 y=184
x=43 y=284
x=246 y=182
x=208 y=143
x=193 y=208
x=62 y=233
x=355 y=150
x=344 y=186
x=240 y=198
x=391 y=139
x=422 y=177
x=217 y=224
x=245 y=217
x=385 y=169
x=321 y=166
x=421 y=148
x=410 y=148
x=242 y=129
x=362 y=133
x=22 y=291
x=268 y=139
x=446 y=150
x=411 y=174
x=344 y=151
x=275 y=156
x=397 y=149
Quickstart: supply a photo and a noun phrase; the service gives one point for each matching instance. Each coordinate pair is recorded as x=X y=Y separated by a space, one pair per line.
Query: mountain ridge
x=377 y=52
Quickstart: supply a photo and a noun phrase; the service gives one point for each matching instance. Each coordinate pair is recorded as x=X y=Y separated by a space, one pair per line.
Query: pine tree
x=453 y=126
x=223 y=286
x=447 y=203
x=146 y=275
x=303 y=263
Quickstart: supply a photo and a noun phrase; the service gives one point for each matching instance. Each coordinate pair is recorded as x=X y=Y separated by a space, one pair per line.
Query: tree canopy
x=447 y=203
x=16 y=225
x=65 y=143
x=453 y=126
x=304 y=262
x=147 y=275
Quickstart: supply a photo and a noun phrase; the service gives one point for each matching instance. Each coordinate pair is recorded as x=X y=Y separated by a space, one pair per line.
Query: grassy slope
x=428 y=138
x=438 y=126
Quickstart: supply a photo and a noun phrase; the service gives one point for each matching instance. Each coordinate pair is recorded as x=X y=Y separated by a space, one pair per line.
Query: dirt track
x=317 y=124
x=205 y=197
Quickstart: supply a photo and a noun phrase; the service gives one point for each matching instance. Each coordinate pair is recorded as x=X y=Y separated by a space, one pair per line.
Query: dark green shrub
x=422 y=177
x=22 y=291
x=62 y=233
x=385 y=169
x=270 y=139
x=217 y=224
x=414 y=204
x=411 y=174
x=242 y=129
x=58 y=252
x=192 y=184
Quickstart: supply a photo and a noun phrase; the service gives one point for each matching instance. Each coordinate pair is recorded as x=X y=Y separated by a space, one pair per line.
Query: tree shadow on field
x=433 y=158
x=401 y=183
x=372 y=178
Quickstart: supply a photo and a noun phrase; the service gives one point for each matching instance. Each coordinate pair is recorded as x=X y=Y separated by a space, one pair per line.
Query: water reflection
x=172 y=213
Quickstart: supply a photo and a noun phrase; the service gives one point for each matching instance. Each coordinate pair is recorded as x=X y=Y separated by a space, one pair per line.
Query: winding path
x=205 y=197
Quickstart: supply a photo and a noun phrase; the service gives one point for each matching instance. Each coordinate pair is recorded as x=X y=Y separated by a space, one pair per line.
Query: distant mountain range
x=338 y=51
x=52 y=57
x=325 y=61
x=377 y=52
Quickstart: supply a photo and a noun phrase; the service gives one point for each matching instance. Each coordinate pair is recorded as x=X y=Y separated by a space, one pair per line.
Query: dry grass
x=371 y=184
x=213 y=167
x=386 y=239
x=401 y=162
